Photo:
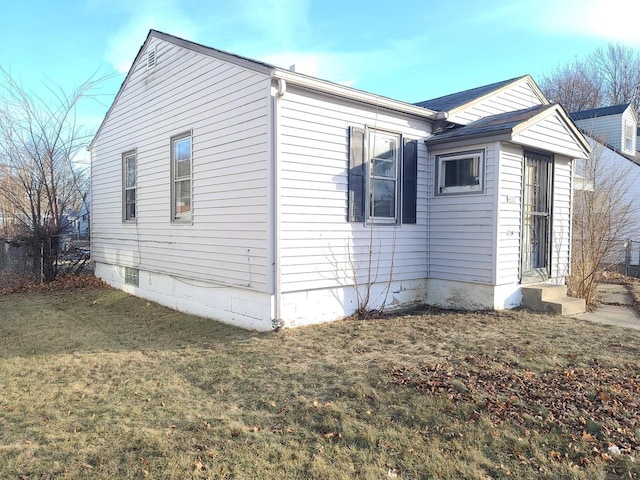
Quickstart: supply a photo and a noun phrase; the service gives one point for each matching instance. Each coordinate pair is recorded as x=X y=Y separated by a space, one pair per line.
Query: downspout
x=277 y=321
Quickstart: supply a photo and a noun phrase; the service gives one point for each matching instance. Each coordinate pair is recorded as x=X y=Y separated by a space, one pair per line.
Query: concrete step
x=549 y=298
x=566 y=306
x=543 y=292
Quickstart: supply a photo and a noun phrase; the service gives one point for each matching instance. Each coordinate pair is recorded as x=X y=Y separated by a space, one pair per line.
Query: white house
x=262 y=197
x=612 y=135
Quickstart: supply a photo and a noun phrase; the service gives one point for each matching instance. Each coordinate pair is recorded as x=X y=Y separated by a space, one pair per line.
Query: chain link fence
x=632 y=258
x=25 y=261
x=20 y=263
x=624 y=257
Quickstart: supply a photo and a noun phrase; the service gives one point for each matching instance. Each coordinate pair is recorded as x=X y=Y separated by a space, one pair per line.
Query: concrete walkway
x=615 y=307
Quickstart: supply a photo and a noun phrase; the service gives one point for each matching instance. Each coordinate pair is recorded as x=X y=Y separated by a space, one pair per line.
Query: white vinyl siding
x=607 y=129
x=561 y=216
x=552 y=134
x=462 y=227
x=628 y=186
x=319 y=247
x=509 y=215
x=227 y=109
x=518 y=97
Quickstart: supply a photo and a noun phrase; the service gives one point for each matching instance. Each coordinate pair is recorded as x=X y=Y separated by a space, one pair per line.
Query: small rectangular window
x=460 y=173
x=629 y=133
x=181 y=177
x=132 y=276
x=129 y=182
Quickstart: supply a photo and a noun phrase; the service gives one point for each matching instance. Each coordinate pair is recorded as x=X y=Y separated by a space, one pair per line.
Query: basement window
x=132 y=276
x=459 y=173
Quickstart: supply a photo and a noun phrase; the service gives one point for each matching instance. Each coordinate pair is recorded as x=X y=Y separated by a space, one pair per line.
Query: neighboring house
x=234 y=189
x=612 y=135
x=615 y=126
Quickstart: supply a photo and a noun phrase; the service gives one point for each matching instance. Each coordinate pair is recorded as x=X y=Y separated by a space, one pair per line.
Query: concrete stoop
x=551 y=299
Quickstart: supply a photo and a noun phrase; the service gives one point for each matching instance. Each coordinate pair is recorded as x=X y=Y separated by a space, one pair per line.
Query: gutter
x=277 y=321
x=343 y=91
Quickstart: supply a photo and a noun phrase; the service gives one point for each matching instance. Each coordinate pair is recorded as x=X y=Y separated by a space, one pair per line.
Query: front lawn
x=97 y=384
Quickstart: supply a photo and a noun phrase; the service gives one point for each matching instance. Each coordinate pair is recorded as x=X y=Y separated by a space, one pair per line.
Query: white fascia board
x=343 y=91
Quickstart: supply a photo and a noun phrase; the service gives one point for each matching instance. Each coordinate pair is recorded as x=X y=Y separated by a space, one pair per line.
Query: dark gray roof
x=245 y=61
x=599 y=112
x=449 y=102
x=491 y=125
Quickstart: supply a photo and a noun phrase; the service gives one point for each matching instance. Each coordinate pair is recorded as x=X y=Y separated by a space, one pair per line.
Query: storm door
x=536 y=217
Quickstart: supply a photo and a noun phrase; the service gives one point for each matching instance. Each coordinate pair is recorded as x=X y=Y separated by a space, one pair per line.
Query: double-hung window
x=461 y=172
x=629 y=133
x=129 y=182
x=382 y=177
x=181 y=177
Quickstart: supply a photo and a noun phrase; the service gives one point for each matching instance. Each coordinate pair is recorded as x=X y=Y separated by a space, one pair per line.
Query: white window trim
x=632 y=131
x=186 y=217
x=125 y=156
x=395 y=220
x=441 y=190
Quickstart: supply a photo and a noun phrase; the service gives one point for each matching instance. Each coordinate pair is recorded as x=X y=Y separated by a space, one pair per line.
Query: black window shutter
x=357 y=169
x=409 y=180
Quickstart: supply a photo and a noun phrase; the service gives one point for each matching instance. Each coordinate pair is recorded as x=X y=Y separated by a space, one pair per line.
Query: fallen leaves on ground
x=64 y=282
x=595 y=404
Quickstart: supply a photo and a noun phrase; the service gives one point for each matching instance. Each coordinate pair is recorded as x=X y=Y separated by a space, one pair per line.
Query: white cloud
x=608 y=20
x=282 y=23
x=612 y=20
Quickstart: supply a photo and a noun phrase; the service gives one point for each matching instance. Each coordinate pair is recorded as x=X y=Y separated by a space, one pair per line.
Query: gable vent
x=151 y=58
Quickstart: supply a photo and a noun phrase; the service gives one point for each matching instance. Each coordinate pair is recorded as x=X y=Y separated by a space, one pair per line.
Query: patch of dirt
x=61 y=283
x=597 y=405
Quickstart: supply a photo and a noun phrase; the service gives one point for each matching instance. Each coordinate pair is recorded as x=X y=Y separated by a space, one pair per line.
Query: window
x=132 y=276
x=181 y=177
x=460 y=173
x=383 y=169
x=629 y=133
x=382 y=177
x=129 y=186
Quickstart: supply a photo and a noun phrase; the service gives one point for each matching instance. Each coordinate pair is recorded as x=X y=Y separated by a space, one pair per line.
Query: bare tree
x=608 y=76
x=619 y=70
x=576 y=86
x=38 y=141
x=602 y=215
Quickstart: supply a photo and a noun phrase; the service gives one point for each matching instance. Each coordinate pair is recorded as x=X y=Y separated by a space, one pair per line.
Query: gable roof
x=453 y=100
x=509 y=124
x=491 y=125
x=276 y=73
x=458 y=101
x=599 y=112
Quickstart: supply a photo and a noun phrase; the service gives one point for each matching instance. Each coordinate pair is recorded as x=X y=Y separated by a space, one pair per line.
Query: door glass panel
x=536 y=216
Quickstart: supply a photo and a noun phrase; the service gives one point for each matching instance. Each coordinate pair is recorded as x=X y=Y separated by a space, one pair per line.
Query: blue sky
x=409 y=50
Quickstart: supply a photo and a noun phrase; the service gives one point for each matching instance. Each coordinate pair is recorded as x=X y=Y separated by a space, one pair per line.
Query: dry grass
x=97 y=384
